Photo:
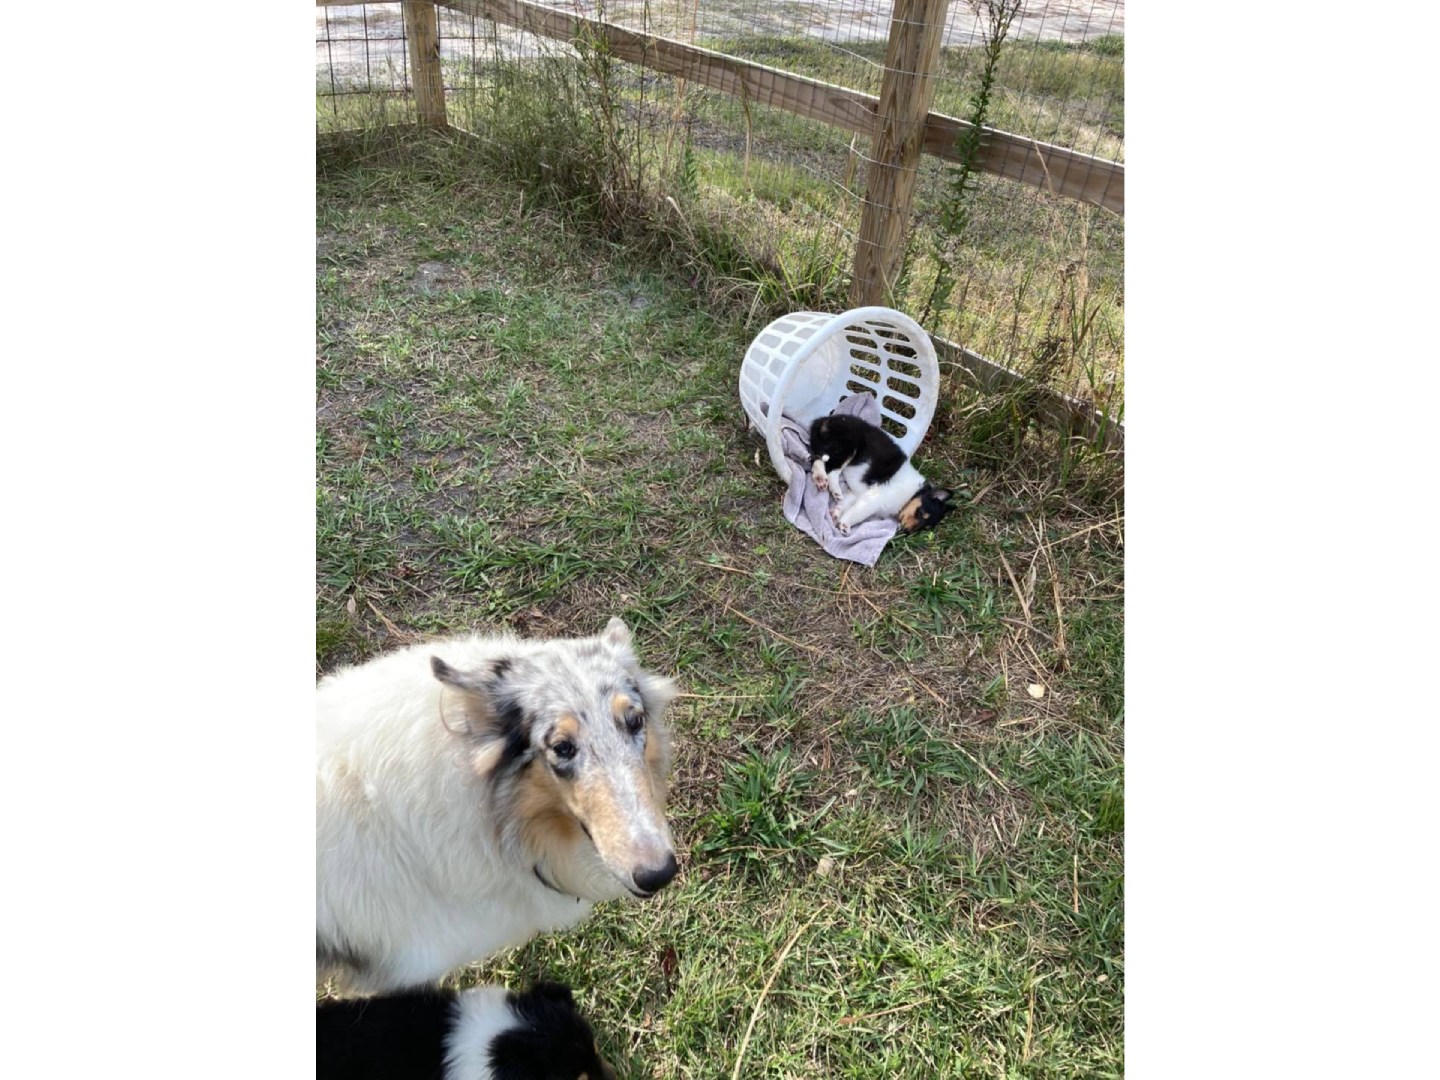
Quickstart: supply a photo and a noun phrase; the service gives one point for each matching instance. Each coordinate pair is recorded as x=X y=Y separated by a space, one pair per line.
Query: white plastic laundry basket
x=805 y=362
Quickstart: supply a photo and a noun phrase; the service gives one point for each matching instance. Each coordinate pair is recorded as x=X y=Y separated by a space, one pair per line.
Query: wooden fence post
x=906 y=90
x=422 y=28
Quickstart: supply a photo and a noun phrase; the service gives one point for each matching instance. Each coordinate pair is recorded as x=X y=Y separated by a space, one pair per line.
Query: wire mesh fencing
x=1028 y=278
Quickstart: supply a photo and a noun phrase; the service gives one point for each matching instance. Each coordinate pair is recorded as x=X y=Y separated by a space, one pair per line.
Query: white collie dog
x=472 y=793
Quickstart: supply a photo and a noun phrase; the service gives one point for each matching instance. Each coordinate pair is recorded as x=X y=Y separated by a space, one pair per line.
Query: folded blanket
x=809 y=510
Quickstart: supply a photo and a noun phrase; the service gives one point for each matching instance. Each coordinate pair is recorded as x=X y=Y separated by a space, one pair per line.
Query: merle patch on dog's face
x=925 y=510
x=571 y=742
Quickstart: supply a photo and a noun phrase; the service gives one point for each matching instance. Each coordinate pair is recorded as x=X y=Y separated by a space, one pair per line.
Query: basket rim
x=823 y=333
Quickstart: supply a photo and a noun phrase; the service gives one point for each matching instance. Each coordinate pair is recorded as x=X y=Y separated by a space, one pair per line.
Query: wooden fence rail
x=1053 y=168
x=1074 y=175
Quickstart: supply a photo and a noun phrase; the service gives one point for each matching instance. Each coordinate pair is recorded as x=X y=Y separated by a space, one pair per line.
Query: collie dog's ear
x=461 y=680
x=657 y=691
x=616 y=634
x=473 y=711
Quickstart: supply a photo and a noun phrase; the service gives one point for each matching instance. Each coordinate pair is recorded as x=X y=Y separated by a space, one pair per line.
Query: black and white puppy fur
x=876 y=477
x=485 y=1033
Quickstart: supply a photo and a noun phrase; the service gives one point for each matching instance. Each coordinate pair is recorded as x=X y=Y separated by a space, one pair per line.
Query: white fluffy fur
x=481 y=1013
x=860 y=503
x=409 y=873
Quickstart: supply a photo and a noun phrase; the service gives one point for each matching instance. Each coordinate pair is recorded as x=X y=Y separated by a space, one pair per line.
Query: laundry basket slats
x=805 y=362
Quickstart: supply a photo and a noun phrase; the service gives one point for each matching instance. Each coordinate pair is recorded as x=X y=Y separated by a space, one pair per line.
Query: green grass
x=767 y=203
x=549 y=436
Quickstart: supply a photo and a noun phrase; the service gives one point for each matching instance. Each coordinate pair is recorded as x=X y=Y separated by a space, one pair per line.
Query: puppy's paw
x=821 y=483
x=835 y=520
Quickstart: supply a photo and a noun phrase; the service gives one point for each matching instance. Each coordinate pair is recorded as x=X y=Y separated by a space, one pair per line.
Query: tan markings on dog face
x=657 y=761
x=551 y=810
x=567 y=727
x=595 y=804
x=910 y=519
x=619 y=705
x=548 y=824
x=484 y=759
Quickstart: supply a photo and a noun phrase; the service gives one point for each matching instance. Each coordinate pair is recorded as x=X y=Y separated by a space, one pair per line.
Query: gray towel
x=809 y=510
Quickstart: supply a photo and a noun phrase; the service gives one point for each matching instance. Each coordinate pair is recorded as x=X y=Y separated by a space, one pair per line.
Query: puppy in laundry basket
x=866 y=470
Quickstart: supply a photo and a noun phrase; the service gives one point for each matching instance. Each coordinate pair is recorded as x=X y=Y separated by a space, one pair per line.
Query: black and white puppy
x=481 y=1034
x=878 y=479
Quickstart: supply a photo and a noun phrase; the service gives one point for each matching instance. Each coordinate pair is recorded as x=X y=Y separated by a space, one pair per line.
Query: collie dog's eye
x=634 y=722
x=564 y=749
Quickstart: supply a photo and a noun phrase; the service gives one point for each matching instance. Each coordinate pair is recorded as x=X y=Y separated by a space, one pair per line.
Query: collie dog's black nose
x=654 y=880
